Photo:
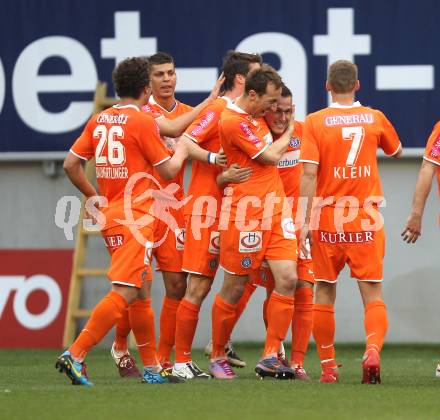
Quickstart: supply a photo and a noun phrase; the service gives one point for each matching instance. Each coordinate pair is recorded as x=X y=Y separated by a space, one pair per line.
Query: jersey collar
x=153 y=101
x=356 y=104
x=118 y=106
x=234 y=107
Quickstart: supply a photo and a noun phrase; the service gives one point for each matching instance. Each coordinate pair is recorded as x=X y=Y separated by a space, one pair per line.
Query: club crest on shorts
x=246 y=262
x=288 y=228
x=214 y=243
x=250 y=242
x=179 y=233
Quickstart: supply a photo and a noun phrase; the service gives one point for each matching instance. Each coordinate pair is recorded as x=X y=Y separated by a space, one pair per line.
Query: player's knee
x=232 y=292
x=286 y=282
x=197 y=291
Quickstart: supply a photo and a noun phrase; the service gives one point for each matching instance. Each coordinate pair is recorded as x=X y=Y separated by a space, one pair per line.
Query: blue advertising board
x=53 y=53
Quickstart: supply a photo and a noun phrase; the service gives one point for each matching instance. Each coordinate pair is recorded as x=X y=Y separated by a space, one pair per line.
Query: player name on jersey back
x=361 y=118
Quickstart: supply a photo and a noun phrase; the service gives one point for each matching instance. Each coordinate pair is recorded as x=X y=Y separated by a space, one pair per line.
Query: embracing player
x=340 y=167
x=126 y=145
x=251 y=233
x=201 y=250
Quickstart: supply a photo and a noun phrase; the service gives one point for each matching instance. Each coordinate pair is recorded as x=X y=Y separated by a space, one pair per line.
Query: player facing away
x=340 y=167
x=162 y=105
x=430 y=167
x=201 y=248
x=252 y=226
x=125 y=143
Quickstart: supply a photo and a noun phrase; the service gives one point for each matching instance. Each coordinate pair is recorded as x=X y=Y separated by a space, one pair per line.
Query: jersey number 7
x=356 y=135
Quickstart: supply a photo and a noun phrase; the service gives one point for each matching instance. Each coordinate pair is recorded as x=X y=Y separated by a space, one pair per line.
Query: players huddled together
x=273 y=201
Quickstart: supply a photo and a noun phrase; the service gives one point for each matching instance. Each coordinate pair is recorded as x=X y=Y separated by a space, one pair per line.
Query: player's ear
x=357 y=85
x=239 y=78
x=328 y=87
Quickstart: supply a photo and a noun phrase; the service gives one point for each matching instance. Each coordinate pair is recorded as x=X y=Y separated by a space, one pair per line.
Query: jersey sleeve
x=83 y=146
x=149 y=110
x=245 y=136
x=204 y=125
x=389 y=140
x=309 y=144
x=432 y=150
x=150 y=143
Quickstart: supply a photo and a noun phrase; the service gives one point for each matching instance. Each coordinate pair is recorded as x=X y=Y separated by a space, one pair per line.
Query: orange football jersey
x=204 y=131
x=124 y=142
x=343 y=141
x=243 y=139
x=156 y=111
x=432 y=150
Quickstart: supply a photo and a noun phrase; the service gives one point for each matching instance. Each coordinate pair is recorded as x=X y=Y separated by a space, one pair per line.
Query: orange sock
x=142 y=323
x=324 y=333
x=376 y=324
x=279 y=317
x=242 y=303
x=302 y=323
x=265 y=303
x=123 y=328
x=167 y=329
x=187 y=317
x=223 y=321
x=102 y=319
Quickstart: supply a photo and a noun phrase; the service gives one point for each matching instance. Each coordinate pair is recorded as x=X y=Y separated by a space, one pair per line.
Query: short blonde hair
x=342 y=76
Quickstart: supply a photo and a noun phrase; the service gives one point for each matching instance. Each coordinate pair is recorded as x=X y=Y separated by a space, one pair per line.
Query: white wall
x=412 y=272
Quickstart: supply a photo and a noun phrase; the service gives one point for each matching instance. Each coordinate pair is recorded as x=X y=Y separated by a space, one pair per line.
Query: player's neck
x=345 y=99
x=233 y=93
x=166 y=103
x=131 y=101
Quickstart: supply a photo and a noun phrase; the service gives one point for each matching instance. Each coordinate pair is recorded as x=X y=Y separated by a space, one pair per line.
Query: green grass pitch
x=31 y=388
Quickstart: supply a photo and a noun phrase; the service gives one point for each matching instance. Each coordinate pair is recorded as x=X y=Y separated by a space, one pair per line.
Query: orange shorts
x=130 y=260
x=242 y=252
x=202 y=246
x=169 y=254
x=363 y=250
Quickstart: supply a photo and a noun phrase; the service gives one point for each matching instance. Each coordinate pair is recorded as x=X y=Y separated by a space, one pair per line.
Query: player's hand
x=306 y=240
x=413 y=229
x=221 y=159
x=215 y=92
x=236 y=174
x=290 y=128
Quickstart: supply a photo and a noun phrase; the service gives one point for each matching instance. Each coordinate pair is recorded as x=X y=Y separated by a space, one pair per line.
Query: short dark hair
x=131 y=76
x=258 y=80
x=160 y=58
x=285 y=91
x=237 y=63
x=342 y=76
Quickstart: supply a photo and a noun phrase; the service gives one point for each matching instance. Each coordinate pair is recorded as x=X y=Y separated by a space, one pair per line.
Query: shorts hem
x=229 y=272
x=326 y=280
x=125 y=284
x=368 y=281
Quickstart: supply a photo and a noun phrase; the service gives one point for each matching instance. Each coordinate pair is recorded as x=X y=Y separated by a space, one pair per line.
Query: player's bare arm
x=176 y=127
x=272 y=154
x=169 y=169
x=196 y=152
x=308 y=190
x=75 y=171
x=413 y=228
x=234 y=174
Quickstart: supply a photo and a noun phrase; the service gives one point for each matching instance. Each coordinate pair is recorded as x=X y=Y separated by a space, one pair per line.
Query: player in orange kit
x=430 y=167
x=168 y=254
x=126 y=145
x=340 y=167
x=201 y=251
x=290 y=170
x=253 y=226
